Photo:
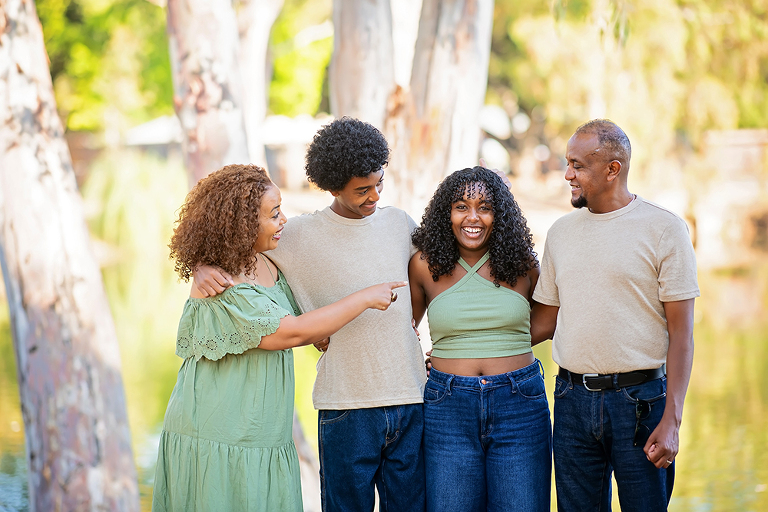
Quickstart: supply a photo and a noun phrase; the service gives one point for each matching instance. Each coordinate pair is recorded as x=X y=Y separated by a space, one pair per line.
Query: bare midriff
x=482 y=366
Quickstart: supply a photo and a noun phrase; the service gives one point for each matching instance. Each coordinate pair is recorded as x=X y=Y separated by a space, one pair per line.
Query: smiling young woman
x=487 y=435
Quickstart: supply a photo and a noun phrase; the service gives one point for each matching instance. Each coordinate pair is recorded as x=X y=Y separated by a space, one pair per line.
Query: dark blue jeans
x=380 y=446
x=593 y=437
x=487 y=442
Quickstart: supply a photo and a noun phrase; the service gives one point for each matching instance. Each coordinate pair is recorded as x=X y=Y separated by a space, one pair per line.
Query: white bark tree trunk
x=405 y=30
x=448 y=84
x=208 y=92
x=255 y=19
x=68 y=362
x=431 y=123
x=362 y=75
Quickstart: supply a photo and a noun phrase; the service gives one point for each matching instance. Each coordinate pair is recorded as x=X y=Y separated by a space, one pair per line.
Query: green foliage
x=300 y=63
x=664 y=69
x=107 y=55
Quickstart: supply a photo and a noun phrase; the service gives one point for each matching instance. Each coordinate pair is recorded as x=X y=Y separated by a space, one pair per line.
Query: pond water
x=723 y=462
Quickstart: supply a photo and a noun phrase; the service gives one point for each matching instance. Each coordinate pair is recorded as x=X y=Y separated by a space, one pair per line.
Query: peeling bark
x=208 y=91
x=432 y=122
x=72 y=400
x=440 y=116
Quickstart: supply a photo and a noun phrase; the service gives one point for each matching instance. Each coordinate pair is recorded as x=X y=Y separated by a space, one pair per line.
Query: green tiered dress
x=226 y=442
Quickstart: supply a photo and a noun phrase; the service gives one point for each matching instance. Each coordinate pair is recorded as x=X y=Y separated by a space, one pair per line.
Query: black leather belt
x=601 y=382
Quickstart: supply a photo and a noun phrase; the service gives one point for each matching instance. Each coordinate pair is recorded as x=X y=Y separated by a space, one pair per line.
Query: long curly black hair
x=344 y=149
x=510 y=244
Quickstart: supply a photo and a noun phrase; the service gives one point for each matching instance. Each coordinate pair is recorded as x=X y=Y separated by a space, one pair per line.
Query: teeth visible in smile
x=472 y=230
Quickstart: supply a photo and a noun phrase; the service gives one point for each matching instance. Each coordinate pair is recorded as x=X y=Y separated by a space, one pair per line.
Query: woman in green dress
x=226 y=442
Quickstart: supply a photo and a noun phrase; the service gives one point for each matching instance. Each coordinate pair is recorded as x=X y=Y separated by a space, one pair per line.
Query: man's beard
x=579 y=202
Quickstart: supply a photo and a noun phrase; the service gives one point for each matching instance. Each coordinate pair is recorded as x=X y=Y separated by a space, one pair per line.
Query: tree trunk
x=208 y=92
x=255 y=19
x=405 y=30
x=361 y=74
x=432 y=123
x=441 y=130
x=72 y=401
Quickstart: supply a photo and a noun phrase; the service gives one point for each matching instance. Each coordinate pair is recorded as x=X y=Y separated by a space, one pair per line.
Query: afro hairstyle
x=344 y=149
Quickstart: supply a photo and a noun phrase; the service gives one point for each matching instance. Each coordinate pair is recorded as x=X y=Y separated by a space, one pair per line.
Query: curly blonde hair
x=219 y=221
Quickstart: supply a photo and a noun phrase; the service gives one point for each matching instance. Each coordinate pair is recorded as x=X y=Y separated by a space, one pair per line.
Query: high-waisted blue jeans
x=487 y=442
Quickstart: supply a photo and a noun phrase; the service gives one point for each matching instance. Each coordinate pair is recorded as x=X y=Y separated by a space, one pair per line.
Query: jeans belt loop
x=449 y=383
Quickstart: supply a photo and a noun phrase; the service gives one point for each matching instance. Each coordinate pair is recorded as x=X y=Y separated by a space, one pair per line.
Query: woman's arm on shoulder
x=418 y=271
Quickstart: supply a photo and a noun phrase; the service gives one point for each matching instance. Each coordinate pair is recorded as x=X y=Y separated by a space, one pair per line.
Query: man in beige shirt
x=616 y=294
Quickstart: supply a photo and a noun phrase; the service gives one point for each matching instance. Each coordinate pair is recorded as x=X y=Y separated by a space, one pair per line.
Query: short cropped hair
x=609 y=136
x=219 y=221
x=344 y=149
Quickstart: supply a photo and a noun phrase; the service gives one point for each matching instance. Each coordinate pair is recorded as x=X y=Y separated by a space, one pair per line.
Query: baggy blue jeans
x=380 y=446
x=593 y=437
x=487 y=442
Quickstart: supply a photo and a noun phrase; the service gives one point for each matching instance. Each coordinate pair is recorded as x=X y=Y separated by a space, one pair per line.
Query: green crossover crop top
x=474 y=318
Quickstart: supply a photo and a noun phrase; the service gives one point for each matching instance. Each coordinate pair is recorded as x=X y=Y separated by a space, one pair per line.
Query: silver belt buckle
x=584 y=380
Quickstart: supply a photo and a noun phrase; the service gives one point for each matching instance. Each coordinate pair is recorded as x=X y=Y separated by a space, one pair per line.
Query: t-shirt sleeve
x=677 y=264
x=411 y=227
x=546 y=291
x=230 y=323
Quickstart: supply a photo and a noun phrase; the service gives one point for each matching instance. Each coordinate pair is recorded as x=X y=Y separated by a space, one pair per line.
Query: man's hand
x=663 y=444
x=322 y=345
x=211 y=280
x=428 y=362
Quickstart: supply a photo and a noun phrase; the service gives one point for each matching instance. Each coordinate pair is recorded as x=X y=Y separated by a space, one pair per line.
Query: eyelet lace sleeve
x=230 y=323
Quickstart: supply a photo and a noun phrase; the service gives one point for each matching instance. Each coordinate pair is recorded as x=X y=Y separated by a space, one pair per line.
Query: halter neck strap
x=476 y=267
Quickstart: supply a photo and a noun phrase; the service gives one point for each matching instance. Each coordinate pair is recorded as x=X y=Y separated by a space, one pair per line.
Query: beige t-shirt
x=375 y=360
x=609 y=274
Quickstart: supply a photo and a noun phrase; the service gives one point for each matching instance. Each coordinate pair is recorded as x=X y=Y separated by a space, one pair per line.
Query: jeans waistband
x=486 y=381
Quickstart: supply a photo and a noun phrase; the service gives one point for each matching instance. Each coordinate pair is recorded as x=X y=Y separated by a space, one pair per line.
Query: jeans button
x=483 y=381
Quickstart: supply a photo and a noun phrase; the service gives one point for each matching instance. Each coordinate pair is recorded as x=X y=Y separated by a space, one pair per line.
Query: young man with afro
x=370 y=381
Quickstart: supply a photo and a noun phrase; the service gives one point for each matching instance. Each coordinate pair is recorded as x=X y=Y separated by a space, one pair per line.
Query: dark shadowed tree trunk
x=72 y=400
x=208 y=91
